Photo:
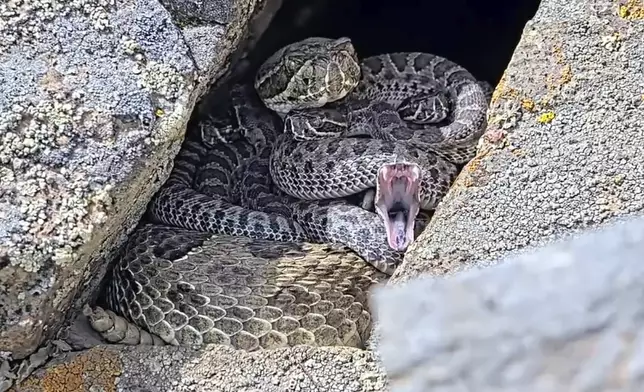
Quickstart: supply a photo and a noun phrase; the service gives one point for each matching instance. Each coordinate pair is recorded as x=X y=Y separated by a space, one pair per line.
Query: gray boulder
x=567 y=317
x=94 y=100
x=89 y=134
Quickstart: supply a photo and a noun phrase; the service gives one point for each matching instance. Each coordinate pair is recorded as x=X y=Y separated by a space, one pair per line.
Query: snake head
x=315 y=124
x=398 y=202
x=308 y=74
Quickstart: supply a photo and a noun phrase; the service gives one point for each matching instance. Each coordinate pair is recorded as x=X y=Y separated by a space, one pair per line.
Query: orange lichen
x=559 y=56
x=96 y=368
x=473 y=165
x=555 y=80
x=502 y=91
x=496 y=94
x=473 y=170
x=566 y=74
x=527 y=104
x=468 y=182
x=631 y=10
x=518 y=152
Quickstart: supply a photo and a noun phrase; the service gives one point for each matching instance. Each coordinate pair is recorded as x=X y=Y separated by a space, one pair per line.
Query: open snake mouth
x=398 y=202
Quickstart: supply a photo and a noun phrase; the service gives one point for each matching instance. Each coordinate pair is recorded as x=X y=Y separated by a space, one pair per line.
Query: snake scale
x=253 y=242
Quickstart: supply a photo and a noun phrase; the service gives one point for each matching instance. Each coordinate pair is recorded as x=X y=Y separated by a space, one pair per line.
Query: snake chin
x=397 y=201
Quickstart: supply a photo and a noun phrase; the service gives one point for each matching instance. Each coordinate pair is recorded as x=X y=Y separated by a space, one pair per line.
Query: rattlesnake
x=208 y=269
x=419 y=87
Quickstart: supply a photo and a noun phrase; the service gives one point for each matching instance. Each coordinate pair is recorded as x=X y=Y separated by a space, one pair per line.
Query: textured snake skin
x=246 y=287
x=205 y=193
x=191 y=288
x=225 y=257
x=398 y=99
x=443 y=105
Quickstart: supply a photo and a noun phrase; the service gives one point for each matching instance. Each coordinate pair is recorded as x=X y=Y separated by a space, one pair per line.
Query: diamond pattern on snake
x=254 y=241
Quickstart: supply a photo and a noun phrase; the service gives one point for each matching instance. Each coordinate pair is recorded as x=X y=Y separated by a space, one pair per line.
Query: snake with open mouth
x=328 y=97
x=234 y=248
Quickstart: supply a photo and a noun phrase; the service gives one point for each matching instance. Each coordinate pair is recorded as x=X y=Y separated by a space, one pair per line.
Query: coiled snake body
x=235 y=251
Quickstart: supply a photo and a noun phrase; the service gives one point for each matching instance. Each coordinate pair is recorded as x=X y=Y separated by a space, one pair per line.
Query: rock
x=94 y=100
x=214 y=368
x=220 y=33
x=562 y=155
x=563 y=148
x=567 y=317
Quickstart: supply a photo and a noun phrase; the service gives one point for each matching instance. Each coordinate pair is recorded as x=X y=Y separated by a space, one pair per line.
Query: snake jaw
x=398 y=201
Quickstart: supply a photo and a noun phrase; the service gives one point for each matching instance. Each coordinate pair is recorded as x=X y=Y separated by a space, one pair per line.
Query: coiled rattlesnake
x=208 y=269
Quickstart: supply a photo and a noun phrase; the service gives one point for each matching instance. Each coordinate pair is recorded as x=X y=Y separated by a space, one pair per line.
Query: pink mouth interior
x=398 y=202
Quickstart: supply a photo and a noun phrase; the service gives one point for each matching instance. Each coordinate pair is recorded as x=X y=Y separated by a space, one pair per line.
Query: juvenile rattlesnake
x=207 y=267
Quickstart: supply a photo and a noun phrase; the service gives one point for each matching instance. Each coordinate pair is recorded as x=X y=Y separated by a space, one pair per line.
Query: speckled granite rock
x=215 y=368
x=564 y=149
x=94 y=98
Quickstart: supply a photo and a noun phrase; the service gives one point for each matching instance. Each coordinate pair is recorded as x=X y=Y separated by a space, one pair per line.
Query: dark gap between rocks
x=480 y=35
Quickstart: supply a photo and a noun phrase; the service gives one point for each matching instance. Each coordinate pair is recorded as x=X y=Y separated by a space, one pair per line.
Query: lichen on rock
x=94 y=99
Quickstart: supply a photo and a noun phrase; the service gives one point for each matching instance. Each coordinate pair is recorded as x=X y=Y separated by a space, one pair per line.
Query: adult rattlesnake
x=225 y=259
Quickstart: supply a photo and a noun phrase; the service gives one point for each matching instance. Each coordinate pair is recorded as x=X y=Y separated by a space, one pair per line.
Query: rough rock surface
x=564 y=318
x=564 y=148
x=94 y=98
x=564 y=153
x=214 y=368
